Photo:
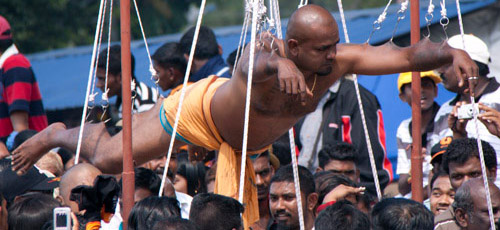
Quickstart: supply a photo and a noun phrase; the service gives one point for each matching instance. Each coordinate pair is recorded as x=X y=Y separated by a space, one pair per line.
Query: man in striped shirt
x=143 y=96
x=21 y=104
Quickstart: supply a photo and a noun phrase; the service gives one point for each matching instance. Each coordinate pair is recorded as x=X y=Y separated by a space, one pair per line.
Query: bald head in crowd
x=471 y=209
x=80 y=174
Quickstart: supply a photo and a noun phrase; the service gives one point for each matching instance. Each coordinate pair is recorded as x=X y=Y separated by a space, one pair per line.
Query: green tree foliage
x=39 y=25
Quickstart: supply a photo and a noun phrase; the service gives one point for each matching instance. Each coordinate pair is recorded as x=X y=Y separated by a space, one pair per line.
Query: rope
x=277 y=19
x=94 y=94
x=476 y=129
x=444 y=19
x=428 y=17
x=183 y=93
x=151 y=68
x=303 y=3
x=360 y=103
x=255 y=12
x=381 y=18
x=89 y=83
x=401 y=15
x=106 y=89
x=244 y=30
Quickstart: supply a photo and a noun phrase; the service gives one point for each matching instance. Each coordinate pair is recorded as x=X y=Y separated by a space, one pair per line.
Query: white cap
x=475 y=47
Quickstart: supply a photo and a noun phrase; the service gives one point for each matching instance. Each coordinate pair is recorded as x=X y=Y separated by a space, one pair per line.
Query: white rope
x=104 y=96
x=303 y=3
x=363 y=119
x=277 y=20
x=476 y=129
x=89 y=83
x=244 y=30
x=401 y=15
x=92 y=93
x=381 y=18
x=151 y=68
x=183 y=93
x=255 y=13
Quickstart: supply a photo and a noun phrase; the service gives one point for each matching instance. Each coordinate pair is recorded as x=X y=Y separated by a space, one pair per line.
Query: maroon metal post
x=416 y=150
x=128 y=167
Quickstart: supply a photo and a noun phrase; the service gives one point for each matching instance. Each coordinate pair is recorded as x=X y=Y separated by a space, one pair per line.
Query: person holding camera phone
x=454 y=115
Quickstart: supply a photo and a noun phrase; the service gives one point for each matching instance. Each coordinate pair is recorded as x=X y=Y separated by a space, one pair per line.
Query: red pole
x=128 y=167
x=416 y=151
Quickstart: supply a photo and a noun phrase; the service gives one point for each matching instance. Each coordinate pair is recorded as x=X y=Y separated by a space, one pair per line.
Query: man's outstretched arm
x=389 y=58
x=149 y=141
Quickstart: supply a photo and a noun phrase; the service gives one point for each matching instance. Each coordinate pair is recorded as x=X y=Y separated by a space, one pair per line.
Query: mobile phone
x=62 y=218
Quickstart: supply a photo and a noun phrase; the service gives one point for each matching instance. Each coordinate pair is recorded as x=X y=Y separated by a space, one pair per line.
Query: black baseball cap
x=438 y=149
x=12 y=185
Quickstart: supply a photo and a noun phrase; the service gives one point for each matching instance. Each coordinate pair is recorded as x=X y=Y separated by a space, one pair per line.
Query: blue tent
x=63 y=74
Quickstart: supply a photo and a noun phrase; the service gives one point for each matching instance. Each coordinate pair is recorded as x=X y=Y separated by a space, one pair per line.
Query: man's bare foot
x=28 y=153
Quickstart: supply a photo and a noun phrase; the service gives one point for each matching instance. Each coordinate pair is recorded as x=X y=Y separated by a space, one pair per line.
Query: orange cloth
x=196 y=126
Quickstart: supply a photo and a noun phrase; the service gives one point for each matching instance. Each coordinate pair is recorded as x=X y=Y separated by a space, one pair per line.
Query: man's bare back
x=281 y=92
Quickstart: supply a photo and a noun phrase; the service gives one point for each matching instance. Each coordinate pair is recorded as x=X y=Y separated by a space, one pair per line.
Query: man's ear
x=402 y=97
x=60 y=199
x=293 y=47
x=493 y=173
x=186 y=56
x=312 y=200
x=319 y=169
x=220 y=49
x=461 y=217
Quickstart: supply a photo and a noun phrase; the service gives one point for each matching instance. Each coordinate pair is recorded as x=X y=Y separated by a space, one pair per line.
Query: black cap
x=439 y=148
x=12 y=185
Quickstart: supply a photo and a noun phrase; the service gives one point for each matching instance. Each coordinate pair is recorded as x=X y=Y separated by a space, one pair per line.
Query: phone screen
x=61 y=220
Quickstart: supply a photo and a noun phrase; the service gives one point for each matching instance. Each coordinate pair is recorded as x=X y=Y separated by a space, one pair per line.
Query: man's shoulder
x=17 y=60
x=446 y=221
x=404 y=126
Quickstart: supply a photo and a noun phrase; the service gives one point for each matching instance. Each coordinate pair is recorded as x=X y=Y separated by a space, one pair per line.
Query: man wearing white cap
x=486 y=92
x=430 y=108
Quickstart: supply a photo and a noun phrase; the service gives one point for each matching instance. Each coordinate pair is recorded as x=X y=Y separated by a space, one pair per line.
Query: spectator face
x=441 y=195
x=158 y=165
x=263 y=174
x=114 y=82
x=450 y=81
x=428 y=93
x=165 y=77
x=470 y=169
x=479 y=218
x=283 y=204
x=180 y=184
x=346 y=168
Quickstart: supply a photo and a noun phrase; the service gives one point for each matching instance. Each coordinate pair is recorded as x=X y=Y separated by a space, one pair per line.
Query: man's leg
x=149 y=141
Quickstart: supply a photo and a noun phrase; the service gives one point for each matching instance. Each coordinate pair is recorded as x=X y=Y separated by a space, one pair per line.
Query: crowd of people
x=301 y=82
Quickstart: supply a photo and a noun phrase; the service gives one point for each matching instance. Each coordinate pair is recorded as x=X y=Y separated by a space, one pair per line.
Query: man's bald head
x=471 y=209
x=80 y=174
x=307 y=20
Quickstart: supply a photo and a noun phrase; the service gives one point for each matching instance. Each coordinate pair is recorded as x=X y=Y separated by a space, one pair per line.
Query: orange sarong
x=196 y=127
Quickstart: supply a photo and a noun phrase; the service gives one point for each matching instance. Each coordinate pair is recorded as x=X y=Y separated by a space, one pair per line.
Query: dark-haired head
x=170 y=65
x=215 y=212
x=339 y=158
x=401 y=214
x=326 y=181
x=342 y=215
x=461 y=160
x=31 y=211
x=206 y=46
x=173 y=223
x=194 y=178
x=152 y=209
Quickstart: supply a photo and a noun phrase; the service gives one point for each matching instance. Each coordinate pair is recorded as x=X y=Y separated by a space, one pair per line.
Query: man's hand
x=341 y=192
x=457 y=125
x=465 y=69
x=490 y=119
x=292 y=80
